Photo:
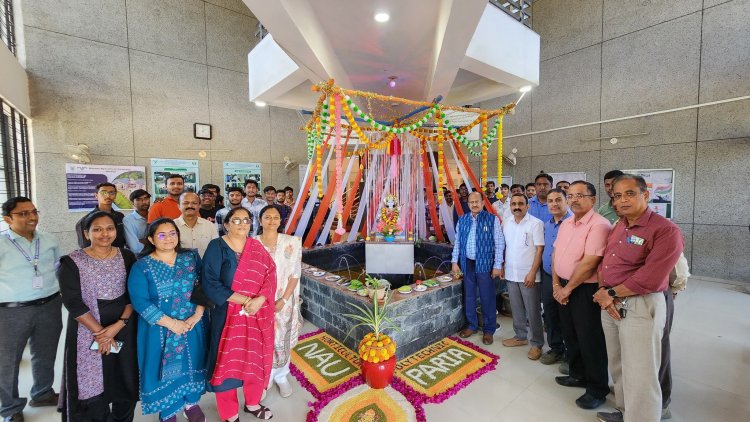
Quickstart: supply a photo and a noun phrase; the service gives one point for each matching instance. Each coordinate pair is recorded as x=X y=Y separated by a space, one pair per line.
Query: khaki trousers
x=634 y=356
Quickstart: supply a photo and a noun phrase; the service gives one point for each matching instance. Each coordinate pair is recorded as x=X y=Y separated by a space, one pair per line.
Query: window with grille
x=14 y=154
x=7 y=30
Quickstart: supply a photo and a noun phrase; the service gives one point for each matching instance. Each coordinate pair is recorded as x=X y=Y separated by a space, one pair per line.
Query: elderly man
x=170 y=206
x=559 y=210
x=30 y=307
x=578 y=251
x=195 y=231
x=478 y=251
x=136 y=223
x=642 y=249
x=606 y=210
x=524 y=235
x=105 y=196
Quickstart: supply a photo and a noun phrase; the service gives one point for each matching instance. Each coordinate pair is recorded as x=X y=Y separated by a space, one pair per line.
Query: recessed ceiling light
x=525 y=88
x=260 y=103
x=382 y=17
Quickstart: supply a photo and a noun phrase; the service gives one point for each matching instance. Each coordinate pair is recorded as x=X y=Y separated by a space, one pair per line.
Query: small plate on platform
x=362 y=292
x=404 y=290
x=430 y=283
x=353 y=289
x=319 y=273
x=444 y=278
x=333 y=277
x=420 y=288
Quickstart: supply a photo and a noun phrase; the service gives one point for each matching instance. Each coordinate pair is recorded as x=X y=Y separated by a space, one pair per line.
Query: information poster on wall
x=163 y=167
x=83 y=178
x=235 y=174
x=569 y=177
x=660 y=183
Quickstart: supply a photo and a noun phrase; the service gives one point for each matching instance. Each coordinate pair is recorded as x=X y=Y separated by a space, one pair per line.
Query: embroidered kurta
x=240 y=346
x=173 y=368
x=288 y=321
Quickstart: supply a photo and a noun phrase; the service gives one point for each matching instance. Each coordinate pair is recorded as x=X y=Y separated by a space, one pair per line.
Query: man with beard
x=606 y=210
x=489 y=190
x=195 y=232
x=135 y=223
x=530 y=190
x=538 y=203
x=170 y=206
x=234 y=199
x=463 y=202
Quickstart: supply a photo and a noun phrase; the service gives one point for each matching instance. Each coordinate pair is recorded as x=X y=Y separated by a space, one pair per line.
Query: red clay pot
x=379 y=375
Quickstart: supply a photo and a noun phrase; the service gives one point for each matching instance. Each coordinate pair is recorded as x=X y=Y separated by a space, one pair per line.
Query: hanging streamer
x=499 y=195
x=440 y=156
x=339 y=164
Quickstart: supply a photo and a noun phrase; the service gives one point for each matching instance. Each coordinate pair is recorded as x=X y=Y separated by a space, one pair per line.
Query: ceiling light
x=525 y=89
x=392 y=81
x=382 y=17
x=260 y=103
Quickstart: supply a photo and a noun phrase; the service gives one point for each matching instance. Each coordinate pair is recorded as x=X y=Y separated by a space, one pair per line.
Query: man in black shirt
x=105 y=196
x=208 y=207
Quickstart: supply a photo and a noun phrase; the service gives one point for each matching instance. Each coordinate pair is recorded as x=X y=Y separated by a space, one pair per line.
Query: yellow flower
x=375 y=360
x=372 y=352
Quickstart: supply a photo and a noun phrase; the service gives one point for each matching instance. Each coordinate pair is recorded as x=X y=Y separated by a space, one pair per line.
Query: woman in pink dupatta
x=239 y=276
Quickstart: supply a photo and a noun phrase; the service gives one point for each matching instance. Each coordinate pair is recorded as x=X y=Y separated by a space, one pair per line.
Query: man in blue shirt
x=538 y=203
x=478 y=251
x=30 y=307
x=559 y=210
x=136 y=222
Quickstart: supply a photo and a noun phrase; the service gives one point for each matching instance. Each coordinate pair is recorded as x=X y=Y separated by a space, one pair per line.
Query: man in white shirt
x=502 y=205
x=195 y=232
x=253 y=204
x=524 y=240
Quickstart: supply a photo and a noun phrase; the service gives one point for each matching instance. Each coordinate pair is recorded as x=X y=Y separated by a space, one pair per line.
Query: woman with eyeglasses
x=286 y=252
x=239 y=276
x=101 y=365
x=171 y=332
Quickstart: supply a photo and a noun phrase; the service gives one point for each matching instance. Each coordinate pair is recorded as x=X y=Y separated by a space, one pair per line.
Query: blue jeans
x=486 y=285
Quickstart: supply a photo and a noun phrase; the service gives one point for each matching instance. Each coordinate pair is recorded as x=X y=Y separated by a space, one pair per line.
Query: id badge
x=37 y=282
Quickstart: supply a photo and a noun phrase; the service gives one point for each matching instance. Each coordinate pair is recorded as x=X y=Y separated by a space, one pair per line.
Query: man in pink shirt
x=642 y=249
x=578 y=251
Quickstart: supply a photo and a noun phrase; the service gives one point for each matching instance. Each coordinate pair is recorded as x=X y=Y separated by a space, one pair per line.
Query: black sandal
x=262 y=412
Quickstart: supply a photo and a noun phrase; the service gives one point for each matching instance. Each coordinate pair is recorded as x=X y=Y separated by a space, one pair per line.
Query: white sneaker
x=285 y=389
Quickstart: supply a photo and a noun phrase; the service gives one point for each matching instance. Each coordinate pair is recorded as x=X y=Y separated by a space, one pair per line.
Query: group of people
x=600 y=283
x=163 y=305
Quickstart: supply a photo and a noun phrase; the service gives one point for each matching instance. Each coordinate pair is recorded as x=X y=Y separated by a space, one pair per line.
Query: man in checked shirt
x=642 y=249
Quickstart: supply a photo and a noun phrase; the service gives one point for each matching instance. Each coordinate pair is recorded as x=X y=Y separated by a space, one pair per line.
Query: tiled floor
x=710 y=361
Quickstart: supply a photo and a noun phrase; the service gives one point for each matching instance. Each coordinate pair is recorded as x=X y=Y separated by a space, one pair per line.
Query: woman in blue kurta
x=171 y=332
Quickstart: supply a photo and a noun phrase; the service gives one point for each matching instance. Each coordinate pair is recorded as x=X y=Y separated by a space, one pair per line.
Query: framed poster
x=236 y=173
x=163 y=167
x=660 y=183
x=83 y=178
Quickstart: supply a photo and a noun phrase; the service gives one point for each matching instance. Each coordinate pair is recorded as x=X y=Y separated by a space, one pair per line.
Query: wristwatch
x=125 y=320
x=612 y=292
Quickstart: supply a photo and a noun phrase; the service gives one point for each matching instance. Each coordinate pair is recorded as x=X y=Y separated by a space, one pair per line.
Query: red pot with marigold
x=377 y=351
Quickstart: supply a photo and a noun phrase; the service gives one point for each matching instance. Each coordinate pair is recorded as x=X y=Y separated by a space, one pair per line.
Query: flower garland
x=440 y=158
x=484 y=151
x=499 y=194
x=339 y=166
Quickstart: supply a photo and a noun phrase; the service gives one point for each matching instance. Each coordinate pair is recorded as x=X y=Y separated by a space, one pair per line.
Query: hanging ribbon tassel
x=484 y=150
x=440 y=157
x=339 y=168
x=499 y=194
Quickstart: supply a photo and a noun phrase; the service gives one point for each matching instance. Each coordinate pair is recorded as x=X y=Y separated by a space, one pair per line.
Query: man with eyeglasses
x=170 y=206
x=538 y=202
x=606 y=210
x=559 y=210
x=208 y=207
x=105 y=197
x=195 y=231
x=234 y=200
x=524 y=239
x=577 y=253
x=642 y=249
x=30 y=307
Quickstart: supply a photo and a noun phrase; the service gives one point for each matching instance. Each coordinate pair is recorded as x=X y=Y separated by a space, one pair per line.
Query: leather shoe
x=487 y=339
x=16 y=417
x=466 y=332
x=587 y=401
x=568 y=381
x=514 y=342
x=50 y=400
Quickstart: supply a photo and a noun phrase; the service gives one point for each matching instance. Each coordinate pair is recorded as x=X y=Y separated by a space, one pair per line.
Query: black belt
x=36 y=302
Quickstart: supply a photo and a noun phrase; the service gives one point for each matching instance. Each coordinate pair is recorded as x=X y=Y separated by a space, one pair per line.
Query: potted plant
x=377 y=351
x=376 y=287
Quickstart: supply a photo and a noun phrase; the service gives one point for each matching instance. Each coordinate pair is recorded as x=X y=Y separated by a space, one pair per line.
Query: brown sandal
x=262 y=412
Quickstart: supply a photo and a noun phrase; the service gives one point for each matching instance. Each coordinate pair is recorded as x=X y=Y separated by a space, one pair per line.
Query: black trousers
x=99 y=411
x=584 y=339
x=665 y=371
x=551 y=316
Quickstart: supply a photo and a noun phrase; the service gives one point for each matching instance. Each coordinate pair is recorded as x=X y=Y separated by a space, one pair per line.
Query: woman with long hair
x=171 y=332
x=286 y=252
x=240 y=278
x=100 y=366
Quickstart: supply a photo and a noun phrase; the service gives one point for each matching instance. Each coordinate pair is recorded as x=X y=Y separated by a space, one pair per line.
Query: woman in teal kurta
x=171 y=331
